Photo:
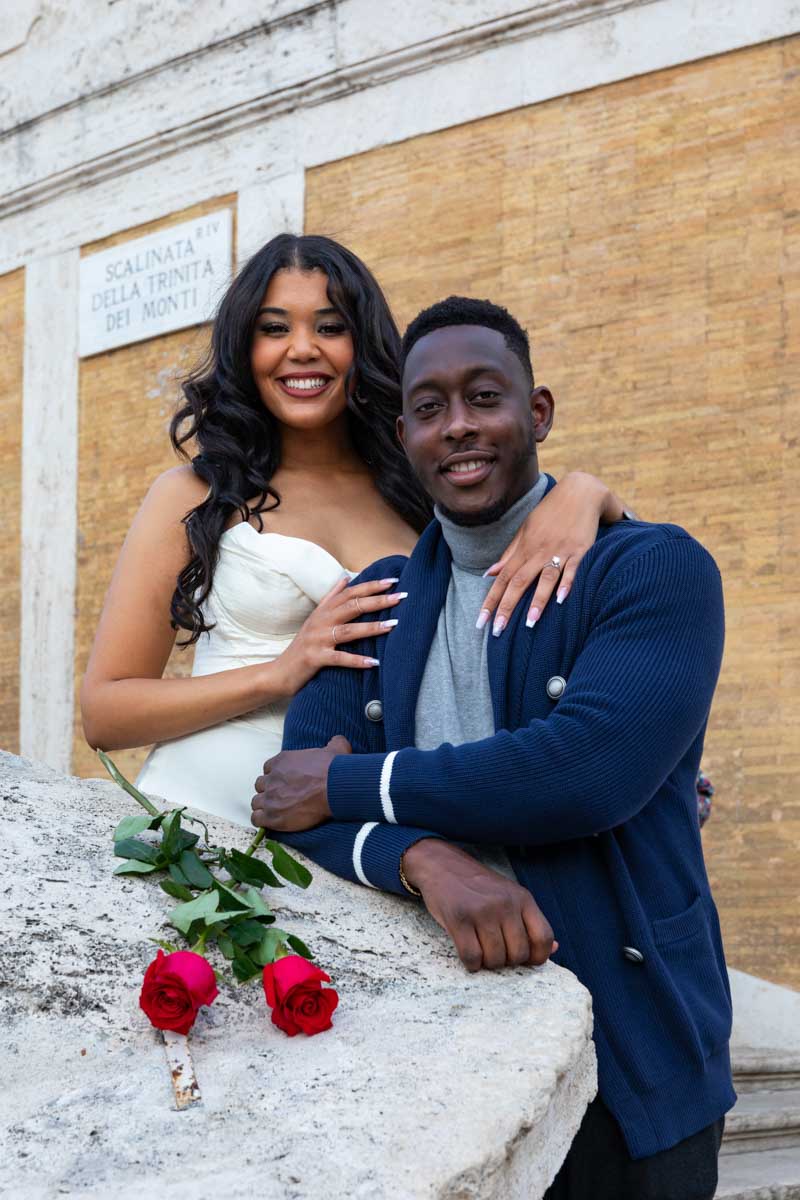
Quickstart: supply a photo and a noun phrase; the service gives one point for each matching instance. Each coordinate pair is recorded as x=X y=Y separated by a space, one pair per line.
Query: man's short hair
x=461 y=310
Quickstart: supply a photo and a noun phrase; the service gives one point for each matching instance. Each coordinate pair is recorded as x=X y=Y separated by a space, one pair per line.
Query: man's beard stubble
x=494 y=512
x=486 y=516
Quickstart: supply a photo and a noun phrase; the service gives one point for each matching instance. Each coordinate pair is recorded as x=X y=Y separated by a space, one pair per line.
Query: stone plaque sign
x=154 y=284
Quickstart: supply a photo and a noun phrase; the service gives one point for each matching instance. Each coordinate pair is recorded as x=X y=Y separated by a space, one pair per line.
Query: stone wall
x=647 y=234
x=432 y=1083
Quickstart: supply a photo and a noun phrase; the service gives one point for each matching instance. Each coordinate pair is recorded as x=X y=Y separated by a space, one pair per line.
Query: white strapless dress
x=265 y=585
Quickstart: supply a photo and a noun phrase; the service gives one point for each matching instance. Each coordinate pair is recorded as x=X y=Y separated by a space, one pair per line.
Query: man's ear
x=543 y=408
x=400 y=429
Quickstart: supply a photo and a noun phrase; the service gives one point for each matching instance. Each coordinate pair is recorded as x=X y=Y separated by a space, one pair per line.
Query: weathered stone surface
x=433 y=1083
x=766 y=1027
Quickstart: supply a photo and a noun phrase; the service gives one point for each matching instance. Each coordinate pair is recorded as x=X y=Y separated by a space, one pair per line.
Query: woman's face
x=301 y=351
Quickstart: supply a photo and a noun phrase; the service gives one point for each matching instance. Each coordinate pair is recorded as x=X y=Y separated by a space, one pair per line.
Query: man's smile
x=468 y=467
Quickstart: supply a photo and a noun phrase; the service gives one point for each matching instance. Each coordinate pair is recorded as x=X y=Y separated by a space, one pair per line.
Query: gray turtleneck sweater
x=454 y=703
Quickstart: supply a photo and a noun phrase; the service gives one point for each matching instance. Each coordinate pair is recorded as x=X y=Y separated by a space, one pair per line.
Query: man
x=574 y=745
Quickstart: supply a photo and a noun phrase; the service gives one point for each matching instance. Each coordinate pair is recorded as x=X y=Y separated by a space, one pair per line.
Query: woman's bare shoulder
x=174 y=492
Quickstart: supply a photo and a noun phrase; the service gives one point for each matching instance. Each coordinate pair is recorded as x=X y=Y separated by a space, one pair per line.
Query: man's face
x=471 y=422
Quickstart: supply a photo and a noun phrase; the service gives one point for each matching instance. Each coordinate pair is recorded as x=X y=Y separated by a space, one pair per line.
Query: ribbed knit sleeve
x=364 y=852
x=637 y=697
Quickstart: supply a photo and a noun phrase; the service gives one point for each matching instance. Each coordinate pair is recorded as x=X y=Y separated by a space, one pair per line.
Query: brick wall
x=12 y=320
x=127 y=397
x=648 y=235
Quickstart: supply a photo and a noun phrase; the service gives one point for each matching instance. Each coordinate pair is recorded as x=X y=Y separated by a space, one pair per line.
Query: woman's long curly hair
x=238 y=439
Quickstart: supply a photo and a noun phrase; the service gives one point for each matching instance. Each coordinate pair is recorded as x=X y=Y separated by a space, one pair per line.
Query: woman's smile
x=305 y=386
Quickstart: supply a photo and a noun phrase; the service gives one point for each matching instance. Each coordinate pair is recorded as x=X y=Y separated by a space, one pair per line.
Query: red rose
x=175 y=986
x=299 y=1003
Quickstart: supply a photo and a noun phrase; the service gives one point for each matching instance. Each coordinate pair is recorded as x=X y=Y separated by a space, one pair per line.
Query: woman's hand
x=563 y=526
x=334 y=623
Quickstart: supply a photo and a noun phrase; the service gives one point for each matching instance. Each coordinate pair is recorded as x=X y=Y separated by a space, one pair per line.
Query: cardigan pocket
x=686 y=947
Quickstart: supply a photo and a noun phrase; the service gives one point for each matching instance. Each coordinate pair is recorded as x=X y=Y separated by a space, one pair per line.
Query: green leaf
x=246 y=933
x=177 y=874
x=226 y=945
x=256 y=903
x=134 y=867
x=297 y=944
x=242 y=873
x=287 y=866
x=226 y=917
x=243 y=966
x=196 y=872
x=230 y=900
x=186 y=840
x=130 y=826
x=176 y=890
x=264 y=952
x=249 y=869
x=170 y=831
x=183 y=916
x=236 y=874
x=133 y=848
x=234 y=916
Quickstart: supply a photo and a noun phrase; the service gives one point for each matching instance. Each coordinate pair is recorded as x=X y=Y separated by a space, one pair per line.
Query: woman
x=293 y=415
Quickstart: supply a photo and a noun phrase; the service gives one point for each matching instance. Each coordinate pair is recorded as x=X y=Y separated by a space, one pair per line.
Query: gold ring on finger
x=333 y=633
x=358 y=606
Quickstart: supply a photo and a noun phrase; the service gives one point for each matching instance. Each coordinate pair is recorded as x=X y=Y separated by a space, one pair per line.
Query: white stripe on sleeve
x=386 y=779
x=358 y=846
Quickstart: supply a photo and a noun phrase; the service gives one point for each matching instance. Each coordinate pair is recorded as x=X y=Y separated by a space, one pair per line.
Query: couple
x=590 y=783
x=297 y=483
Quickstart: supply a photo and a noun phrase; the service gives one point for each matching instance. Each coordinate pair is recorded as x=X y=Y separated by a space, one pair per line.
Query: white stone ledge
x=433 y=1083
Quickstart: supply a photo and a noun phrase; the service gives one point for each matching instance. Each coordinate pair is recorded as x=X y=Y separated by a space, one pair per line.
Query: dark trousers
x=598 y=1166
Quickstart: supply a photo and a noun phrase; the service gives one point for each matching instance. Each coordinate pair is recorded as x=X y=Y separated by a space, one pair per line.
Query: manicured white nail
x=533 y=617
x=386 y=582
x=397 y=596
x=483 y=617
x=561 y=595
x=373 y=662
x=499 y=625
x=388 y=624
x=489 y=570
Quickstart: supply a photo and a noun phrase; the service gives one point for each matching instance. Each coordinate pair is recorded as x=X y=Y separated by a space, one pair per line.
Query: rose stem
x=200 y=944
x=256 y=842
x=120 y=779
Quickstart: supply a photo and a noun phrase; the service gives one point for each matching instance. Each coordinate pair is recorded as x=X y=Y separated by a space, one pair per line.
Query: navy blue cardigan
x=592 y=794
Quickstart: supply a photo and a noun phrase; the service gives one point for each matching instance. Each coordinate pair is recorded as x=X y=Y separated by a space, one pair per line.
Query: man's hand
x=292 y=794
x=493 y=921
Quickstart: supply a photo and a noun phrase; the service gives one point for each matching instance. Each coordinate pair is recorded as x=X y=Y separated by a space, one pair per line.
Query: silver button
x=374 y=711
x=632 y=954
x=555 y=686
